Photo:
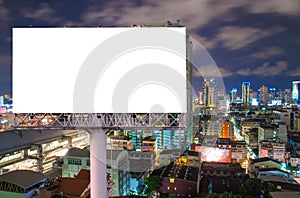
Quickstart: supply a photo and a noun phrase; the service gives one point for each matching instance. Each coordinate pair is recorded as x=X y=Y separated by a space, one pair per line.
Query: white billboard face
x=99 y=70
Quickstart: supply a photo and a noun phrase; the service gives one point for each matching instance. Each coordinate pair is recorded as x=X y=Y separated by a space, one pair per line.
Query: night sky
x=256 y=41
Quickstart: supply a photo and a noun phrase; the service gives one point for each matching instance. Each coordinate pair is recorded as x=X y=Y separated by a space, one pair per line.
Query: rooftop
x=191 y=153
x=264 y=159
x=114 y=154
x=222 y=166
x=280 y=194
x=23 y=178
x=177 y=171
x=75 y=186
x=78 y=152
x=172 y=151
x=274 y=178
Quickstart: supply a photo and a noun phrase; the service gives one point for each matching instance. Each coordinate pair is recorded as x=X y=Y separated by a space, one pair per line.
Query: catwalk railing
x=130 y=121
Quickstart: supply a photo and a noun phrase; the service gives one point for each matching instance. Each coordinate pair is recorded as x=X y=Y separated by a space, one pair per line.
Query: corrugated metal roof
x=78 y=152
x=23 y=178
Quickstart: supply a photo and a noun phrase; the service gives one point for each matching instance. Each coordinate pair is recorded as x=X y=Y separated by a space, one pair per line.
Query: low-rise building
x=239 y=153
x=21 y=183
x=178 y=179
x=267 y=132
x=219 y=177
x=251 y=123
x=272 y=149
x=169 y=155
x=262 y=163
x=75 y=160
x=119 y=143
x=251 y=138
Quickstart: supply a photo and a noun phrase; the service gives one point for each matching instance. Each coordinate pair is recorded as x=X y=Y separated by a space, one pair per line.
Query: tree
x=212 y=195
x=152 y=183
x=252 y=188
x=270 y=187
x=227 y=195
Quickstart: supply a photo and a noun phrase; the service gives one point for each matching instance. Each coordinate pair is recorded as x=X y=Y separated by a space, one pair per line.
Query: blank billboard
x=99 y=70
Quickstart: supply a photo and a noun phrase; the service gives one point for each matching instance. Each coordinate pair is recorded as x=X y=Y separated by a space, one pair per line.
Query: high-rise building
x=233 y=95
x=210 y=95
x=201 y=98
x=246 y=92
x=272 y=94
x=263 y=94
x=225 y=129
x=1 y=101
x=295 y=91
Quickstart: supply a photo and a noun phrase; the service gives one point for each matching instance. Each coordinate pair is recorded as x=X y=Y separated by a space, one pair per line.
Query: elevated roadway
x=16 y=140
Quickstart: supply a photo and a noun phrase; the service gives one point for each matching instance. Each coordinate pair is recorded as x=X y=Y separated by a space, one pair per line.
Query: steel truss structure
x=98 y=124
x=114 y=121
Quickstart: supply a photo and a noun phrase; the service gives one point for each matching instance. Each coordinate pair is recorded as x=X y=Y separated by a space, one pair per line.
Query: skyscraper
x=263 y=94
x=295 y=91
x=210 y=96
x=246 y=92
x=201 y=97
x=233 y=95
x=205 y=92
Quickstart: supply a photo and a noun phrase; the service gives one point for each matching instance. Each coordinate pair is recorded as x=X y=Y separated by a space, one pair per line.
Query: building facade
x=246 y=92
x=295 y=91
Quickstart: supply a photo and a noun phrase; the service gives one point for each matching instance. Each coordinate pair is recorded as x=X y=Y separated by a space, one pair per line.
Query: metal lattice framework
x=126 y=121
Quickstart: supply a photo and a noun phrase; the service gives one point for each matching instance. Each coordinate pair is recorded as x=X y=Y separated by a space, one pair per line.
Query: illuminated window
x=74 y=161
x=175 y=188
x=172 y=180
x=168 y=187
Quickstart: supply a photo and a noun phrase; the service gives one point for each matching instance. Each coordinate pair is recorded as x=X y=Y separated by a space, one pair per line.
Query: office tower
x=263 y=98
x=137 y=139
x=295 y=91
x=205 y=92
x=272 y=94
x=1 y=101
x=221 y=99
x=201 y=98
x=287 y=95
x=210 y=94
x=246 y=92
x=233 y=95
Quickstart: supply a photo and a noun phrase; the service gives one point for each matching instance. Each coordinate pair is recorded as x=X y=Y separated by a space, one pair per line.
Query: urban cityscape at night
x=237 y=136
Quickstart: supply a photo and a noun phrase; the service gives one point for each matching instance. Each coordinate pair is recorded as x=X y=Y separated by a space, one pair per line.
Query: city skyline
x=256 y=42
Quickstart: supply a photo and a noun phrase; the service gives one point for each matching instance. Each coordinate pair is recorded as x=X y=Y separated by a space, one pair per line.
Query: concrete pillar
x=40 y=158
x=69 y=138
x=25 y=153
x=98 y=163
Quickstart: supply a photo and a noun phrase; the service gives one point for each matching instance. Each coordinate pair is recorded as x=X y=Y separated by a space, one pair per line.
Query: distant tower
x=205 y=92
x=295 y=91
x=1 y=101
x=272 y=94
x=233 y=95
x=263 y=94
x=212 y=93
x=246 y=92
x=201 y=97
x=210 y=96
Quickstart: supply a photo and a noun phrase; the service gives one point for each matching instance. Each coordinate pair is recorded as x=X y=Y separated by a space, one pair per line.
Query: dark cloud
x=241 y=36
